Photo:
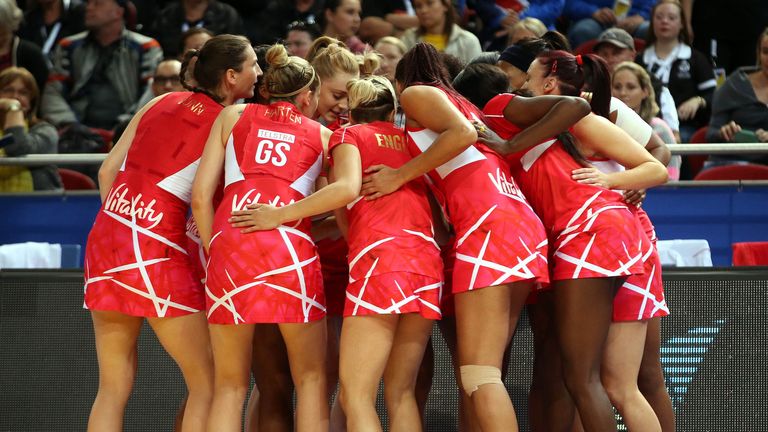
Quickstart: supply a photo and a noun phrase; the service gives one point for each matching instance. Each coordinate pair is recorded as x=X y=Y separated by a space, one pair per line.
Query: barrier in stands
x=714 y=352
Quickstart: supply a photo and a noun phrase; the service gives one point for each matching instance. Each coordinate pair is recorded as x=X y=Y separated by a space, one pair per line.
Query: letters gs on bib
x=273 y=147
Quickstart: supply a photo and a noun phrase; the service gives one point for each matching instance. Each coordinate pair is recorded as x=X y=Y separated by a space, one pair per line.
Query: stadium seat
x=74 y=180
x=750 y=254
x=734 y=172
x=696 y=162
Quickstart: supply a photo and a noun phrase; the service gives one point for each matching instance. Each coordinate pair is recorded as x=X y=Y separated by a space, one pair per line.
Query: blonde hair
x=371 y=98
x=287 y=75
x=368 y=63
x=648 y=107
x=10 y=15
x=391 y=40
x=330 y=56
x=533 y=25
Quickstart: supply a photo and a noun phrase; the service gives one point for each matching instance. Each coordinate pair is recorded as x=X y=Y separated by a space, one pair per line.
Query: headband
x=295 y=92
x=517 y=57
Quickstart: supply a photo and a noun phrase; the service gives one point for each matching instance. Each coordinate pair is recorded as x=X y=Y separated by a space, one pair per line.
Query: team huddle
x=483 y=203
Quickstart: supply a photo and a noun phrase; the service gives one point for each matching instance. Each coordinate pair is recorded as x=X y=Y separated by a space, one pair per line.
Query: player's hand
x=256 y=217
x=634 y=197
x=591 y=176
x=380 y=180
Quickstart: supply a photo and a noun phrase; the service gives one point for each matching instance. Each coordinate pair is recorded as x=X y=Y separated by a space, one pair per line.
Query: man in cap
x=615 y=45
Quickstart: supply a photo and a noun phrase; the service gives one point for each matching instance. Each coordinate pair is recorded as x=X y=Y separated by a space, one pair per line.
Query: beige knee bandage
x=473 y=376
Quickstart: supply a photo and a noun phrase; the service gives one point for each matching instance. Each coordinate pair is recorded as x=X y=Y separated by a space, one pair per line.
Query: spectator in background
x=299 y=38
x=684 y=71
x=386 y=18
x=180 y=16
x=726 y=29
x=166 y=79
x=527 y=28
x=391 y=50
x=280 y=13
x=341 y=20
x=631 y=84
x=22 y=133
x=48 y=21
x=616 y=46
x=15 y=51
x=99 y=75
x=740 y=106
x=193 y=38
x=590 y=17
x=437 y=27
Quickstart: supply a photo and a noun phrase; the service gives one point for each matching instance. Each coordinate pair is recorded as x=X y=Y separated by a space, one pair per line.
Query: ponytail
x=369 y=63
x=598 y=80
x=208 y=65
x=371 y=99
x=579 y=73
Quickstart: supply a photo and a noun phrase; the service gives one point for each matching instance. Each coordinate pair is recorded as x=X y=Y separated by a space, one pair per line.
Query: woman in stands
x=267 y=154
x=598 y=242
x=23 y=133
x=341 y=20
x=501 y=245
x=687 y=73
x=741 y=104
x=631 y=84
x=136 y=264
x=438 y=27
x=395 y=269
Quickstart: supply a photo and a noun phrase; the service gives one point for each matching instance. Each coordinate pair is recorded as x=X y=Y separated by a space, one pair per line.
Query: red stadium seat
x=734 y=172
x=107 y=136
x=74 y=180
x=696 y=162
x=586 y=47
x=750 y=254
x=639 y=44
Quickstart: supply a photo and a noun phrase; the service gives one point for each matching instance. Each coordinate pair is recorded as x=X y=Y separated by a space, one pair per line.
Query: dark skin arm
x=541 y=118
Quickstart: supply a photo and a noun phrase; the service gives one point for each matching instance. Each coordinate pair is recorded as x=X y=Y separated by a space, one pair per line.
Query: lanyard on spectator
x=50 y=39
x=185 y=25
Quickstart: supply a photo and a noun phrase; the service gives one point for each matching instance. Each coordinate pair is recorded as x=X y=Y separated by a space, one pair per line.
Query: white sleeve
x=668 y=109
x=630 y=122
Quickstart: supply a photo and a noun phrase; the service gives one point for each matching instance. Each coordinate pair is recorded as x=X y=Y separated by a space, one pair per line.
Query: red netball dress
x=136 y=261
x=333 y=261
x=641 y=296
x=394 y=261
x=592 y=233
x=273 y=156
x=499 y=239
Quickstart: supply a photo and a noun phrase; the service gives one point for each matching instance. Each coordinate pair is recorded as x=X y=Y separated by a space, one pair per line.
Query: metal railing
x=677 y=149
x=97 y=158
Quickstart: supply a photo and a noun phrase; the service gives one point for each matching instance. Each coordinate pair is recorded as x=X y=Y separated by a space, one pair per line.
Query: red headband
x=579 y=61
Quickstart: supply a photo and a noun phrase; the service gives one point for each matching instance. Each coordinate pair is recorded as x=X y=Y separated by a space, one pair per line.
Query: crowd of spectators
x=96 y=62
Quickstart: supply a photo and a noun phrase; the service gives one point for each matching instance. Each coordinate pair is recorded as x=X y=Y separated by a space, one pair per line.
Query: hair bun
x=277 y=56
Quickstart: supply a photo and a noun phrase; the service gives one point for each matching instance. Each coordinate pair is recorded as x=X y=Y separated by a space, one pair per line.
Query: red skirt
x=136 y=269
x=263 y=277
x=394 y=293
